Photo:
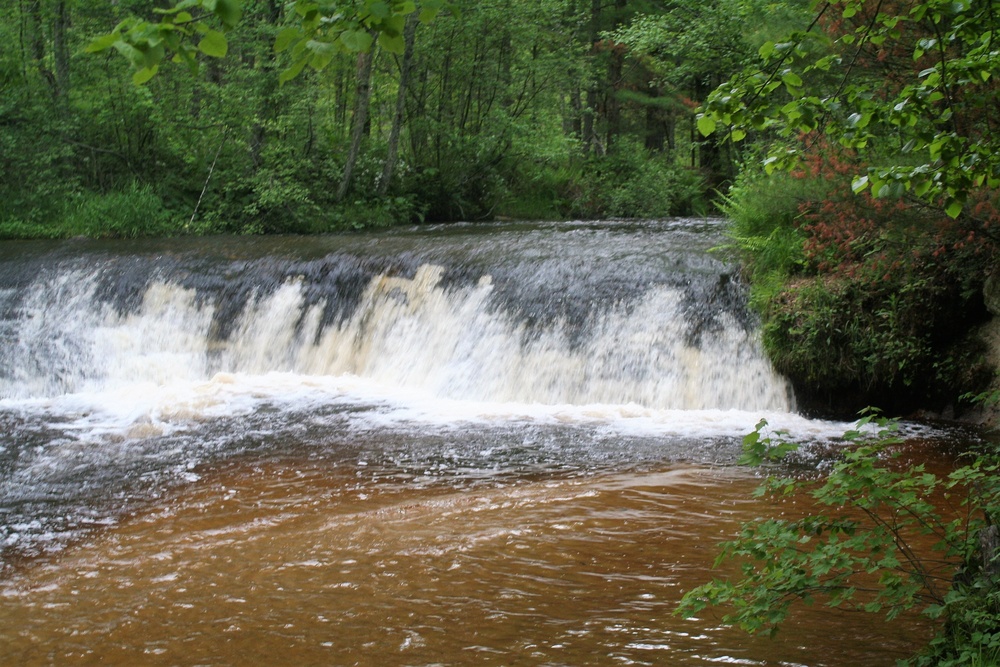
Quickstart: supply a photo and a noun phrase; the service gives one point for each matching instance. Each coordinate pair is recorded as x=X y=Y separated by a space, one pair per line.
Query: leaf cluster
x=910 y=80
x=325 y=29
x=185 y=30
x=320 y=31
x=863 y=551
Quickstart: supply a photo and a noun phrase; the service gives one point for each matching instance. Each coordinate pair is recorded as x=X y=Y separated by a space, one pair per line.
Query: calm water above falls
x=452 y=445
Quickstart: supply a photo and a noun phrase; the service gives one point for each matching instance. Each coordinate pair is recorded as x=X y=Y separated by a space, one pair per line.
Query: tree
x=688 y=51
x=359 y=119
x=909 y=88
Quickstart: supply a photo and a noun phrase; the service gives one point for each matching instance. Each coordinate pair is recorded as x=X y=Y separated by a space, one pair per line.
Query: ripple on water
x=558 y=569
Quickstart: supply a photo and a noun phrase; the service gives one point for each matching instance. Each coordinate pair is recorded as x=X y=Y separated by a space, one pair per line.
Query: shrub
x=862 y=552
x=861 y=297
x=631 y=182
x=130 y=213
x=765 y=214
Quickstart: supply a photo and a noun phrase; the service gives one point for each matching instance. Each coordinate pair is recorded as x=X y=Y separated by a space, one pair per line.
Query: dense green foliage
x=889 y=536
x=908 y=87
x=259 y=116
x=862 y=299
x=869 y=247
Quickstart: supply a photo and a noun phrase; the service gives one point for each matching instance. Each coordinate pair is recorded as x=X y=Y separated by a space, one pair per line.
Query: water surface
x=471 y=444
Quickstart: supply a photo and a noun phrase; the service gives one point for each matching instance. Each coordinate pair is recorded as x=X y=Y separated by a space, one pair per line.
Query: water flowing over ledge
x=577 y=315
x=470 y=351
x=338 y=450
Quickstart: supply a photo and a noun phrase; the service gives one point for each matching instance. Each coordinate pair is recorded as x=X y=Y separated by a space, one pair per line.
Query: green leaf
x=228 y=11
x=323 y=53
x=392 y=43
x=953 y=208
x=859 y=184
x=306 y=10
x=143 y=75
x=379 y=9
x=706 y=125
x=285 y=39
x=766 y=49
x=153 y=55
x=356 y=40
x=214 y=44
x=394 y=25
x=790 y=78
x=293 y=71
x=132 y=54
x=103 y=43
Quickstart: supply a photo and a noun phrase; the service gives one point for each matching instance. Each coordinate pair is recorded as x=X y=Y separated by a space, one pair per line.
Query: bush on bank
x=630 y=183
x=866 y=547
x=864 y=300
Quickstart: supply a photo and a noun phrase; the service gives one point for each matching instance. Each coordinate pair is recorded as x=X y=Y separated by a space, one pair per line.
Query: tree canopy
x=909 y=88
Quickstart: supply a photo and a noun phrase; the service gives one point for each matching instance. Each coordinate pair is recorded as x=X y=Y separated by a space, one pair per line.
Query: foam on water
x=147 y=409
x=413 y=355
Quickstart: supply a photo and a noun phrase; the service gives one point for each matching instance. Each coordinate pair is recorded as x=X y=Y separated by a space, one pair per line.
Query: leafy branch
x=320 y=31
x=938 y=114
x=864 y=554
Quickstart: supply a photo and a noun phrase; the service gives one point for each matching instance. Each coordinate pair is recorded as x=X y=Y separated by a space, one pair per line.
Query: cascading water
x=124 y=366
x=552 y=322
x=248 y=443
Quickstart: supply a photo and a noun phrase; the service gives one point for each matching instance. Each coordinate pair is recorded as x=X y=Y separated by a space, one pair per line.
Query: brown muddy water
x=463 y=445
x=296 y=564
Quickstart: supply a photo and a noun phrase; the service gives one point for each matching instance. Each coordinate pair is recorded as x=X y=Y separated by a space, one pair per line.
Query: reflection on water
x=289 y=561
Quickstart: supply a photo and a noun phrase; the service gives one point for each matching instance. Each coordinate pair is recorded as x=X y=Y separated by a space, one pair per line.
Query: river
x=467 y=444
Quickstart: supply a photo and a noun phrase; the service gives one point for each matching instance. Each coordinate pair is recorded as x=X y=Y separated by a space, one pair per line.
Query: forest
x=470 y=111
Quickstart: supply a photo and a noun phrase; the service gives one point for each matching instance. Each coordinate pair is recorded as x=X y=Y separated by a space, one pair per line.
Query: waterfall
x=560 y=315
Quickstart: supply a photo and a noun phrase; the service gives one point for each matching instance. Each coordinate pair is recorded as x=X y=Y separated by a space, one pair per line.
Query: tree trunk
x=591 y=143
x=989 y=552
x=60 y=52
x=616 y=68
x=264 y=60
x=35 y=27
x=613 y=106
x=409 y=32
x=362 y=98
x=573 y=125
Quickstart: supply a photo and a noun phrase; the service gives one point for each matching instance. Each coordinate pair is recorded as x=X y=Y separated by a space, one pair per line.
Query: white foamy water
x=464 y=352
x=411 y=334
x=417 y=351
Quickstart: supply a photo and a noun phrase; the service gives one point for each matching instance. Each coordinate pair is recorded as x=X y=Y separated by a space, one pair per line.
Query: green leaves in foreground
x=919 y=125
x=183 y=32
x=866 y=547
x=320 y=31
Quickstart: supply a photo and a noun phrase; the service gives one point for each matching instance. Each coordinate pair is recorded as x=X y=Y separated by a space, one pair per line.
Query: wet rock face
x=991 y=293
x=989 y=335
